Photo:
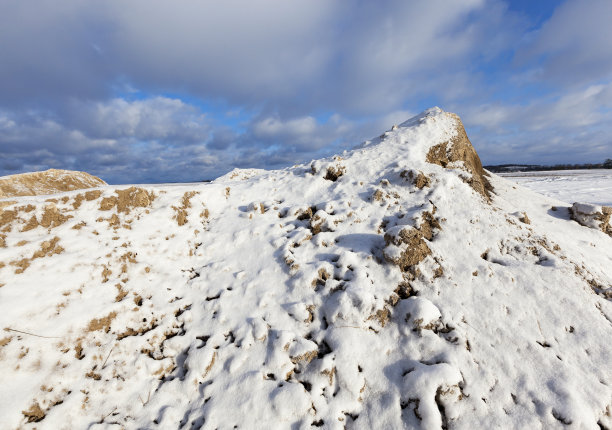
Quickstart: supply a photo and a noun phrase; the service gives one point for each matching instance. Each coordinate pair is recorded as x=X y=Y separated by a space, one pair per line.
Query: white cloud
x=573 y=47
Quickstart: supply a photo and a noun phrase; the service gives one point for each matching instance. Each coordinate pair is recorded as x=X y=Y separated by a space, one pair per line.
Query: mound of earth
x=50 y=181
x=397 y=286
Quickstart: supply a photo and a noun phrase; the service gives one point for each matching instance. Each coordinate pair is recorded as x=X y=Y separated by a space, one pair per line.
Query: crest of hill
x=47 y=182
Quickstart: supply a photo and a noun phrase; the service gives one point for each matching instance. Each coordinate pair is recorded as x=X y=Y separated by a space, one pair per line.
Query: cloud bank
x=152 y=91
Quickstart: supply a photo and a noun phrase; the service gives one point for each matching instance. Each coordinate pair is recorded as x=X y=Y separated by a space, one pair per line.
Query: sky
x=151 y=91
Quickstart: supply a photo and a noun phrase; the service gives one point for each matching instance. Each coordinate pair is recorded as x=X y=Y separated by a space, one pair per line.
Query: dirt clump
x=419 y=180
x=407 y=248
x=459 y=148
x=334 y=172
x=321 y=279
x=47 y=249
x=304 y=214
x=593 y=216
x=181 y=211
x=524 y=218
x=50 y=181
x=103 y=323
x=381 y=316
x=88 y=196
x=51 y=218
x=429 y=225
x=7 y=217
x=34 y=414
x=127 y=199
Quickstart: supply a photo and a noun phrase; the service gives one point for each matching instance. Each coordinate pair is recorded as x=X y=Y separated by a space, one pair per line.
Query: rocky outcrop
x=48 y=182
x=460 y=149
x=593 y=216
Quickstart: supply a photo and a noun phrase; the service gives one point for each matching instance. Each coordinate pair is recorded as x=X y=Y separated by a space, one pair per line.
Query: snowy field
x=592 y=186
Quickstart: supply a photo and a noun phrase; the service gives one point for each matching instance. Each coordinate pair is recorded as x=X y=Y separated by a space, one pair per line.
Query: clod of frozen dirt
x=460 y=149
x=405 y=247
x=127 y=199
x=48 y=182
x=419 y=179
x=593 y=216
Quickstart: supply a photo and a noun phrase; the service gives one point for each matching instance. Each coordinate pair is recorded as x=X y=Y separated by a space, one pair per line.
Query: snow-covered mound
x=50 y=181
x=396 y=286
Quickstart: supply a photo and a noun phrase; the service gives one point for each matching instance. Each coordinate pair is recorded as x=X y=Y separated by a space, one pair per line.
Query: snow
x=594 y=186
x=273 y=305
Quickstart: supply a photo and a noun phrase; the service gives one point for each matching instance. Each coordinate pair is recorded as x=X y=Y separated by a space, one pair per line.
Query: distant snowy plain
x=592 y=186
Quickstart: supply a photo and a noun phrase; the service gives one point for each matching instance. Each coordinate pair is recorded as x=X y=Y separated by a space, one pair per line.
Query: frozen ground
x=592 y=186
x=373 y=290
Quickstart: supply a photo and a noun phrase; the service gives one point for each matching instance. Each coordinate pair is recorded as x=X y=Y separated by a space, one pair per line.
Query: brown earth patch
x=181 y=211
x=127 y=199
x=7 y=217
x=48 y=182
x=429 y=225
x=88 y=196
x=47 y=249
x=307 y=357
x=6 y=203
x=51 y=218
x=102 y=323
x=459 y=148
x=381 y=315
x=414 y=248
x=419 y=180
x=334 y=172
x=137 y=331
x=524 y=218
x=34 y=414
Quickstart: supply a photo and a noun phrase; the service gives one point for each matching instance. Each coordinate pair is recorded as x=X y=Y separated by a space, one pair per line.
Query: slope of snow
x=273 y=300
x=594 y=186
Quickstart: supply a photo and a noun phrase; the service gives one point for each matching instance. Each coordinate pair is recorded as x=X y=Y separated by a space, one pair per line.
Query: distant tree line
x=500 y=168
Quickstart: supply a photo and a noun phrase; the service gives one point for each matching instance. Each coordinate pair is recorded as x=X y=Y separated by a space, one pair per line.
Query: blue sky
x=155 y=91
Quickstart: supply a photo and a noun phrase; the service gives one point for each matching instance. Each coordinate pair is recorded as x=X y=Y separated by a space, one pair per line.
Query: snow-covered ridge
x=373 y=290
x=50 y=181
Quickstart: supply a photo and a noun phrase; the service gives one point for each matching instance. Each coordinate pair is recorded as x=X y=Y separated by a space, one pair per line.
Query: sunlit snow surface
x=592 y=186
x=266 y=300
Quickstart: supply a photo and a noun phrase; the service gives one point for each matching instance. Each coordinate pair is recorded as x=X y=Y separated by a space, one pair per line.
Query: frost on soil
x=397 y=286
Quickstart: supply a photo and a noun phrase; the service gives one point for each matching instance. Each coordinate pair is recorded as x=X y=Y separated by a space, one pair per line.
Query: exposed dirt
x=334 y=172
x=419 y=180
x=127 y=199
x=415 y=249
x=47 y=249
x=524 y=218
x=429 y=224
x=459 y=148
x=102 y=323
x=88 y=196
x=181 y=211
x=34 y=414
x=48 y=182
x=51 y=218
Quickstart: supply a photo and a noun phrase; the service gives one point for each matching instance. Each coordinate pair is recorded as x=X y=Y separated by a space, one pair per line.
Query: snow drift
x=395 y=286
